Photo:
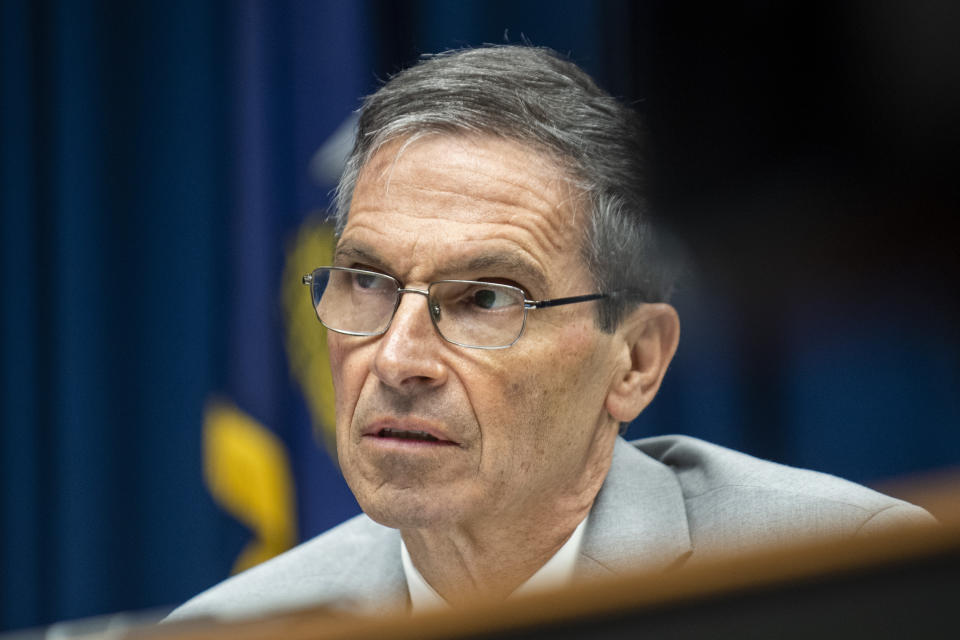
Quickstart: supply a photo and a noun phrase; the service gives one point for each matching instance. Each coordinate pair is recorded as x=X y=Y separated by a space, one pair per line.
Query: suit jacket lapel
x=638 y=521
x=377 y=583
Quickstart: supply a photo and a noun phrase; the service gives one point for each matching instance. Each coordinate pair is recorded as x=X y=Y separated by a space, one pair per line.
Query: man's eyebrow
x=355 y=253
x=504 y=264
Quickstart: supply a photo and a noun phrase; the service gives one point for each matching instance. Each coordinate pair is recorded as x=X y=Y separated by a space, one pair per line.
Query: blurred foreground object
x=899 y=583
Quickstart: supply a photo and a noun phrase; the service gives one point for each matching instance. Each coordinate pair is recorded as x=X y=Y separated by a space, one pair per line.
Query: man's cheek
x=531 y=406
x=336 y=351
x=348 y=377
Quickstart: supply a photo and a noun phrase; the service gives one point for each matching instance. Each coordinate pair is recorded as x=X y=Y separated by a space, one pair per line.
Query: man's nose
x=408 y=354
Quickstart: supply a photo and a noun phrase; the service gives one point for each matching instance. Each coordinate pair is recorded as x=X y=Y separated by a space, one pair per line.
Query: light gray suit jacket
x=667 y=501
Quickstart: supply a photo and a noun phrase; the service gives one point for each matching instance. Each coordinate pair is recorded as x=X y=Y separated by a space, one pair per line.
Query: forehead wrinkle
x=553 y=189
x=548 y=232
x=500 y=263
x=475 y=203
x=546 y=228
x=510 y=190
x=514 y=260
x=473 y=208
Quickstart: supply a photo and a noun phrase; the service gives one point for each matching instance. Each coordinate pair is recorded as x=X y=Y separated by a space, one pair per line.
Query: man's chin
x=410 y=508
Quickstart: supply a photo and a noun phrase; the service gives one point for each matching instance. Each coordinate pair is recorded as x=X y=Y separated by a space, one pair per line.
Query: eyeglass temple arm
x=556 y=302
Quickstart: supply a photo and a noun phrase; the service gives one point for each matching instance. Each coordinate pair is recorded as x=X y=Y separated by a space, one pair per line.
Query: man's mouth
x=406 y=435
x=414 y=435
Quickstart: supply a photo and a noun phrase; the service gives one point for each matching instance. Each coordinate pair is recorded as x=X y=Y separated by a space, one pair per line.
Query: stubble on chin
x=404 y=496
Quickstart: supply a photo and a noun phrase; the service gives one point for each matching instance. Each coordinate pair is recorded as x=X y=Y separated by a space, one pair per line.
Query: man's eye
x=492 y=298
x=370 y=282
x=365 y=280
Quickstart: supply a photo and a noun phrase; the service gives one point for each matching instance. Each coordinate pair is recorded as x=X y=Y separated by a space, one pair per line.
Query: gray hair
x=533 y=96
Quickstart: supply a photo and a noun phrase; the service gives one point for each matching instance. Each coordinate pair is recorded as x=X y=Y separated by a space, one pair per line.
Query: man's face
x=522 y=431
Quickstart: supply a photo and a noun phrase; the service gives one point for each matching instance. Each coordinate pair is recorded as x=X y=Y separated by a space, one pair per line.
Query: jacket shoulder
x=735 y=501
x=355 y=565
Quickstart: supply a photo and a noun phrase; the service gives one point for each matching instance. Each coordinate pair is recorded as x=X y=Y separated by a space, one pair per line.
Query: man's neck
x=490 y=555
x=558 y=571
x=463 y=566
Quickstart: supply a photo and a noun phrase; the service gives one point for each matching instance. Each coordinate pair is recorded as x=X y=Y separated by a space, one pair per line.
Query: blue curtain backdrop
x=161 y=184
x=114 y=197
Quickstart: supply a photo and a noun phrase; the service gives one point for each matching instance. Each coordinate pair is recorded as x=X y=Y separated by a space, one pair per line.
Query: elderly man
x=497 y=310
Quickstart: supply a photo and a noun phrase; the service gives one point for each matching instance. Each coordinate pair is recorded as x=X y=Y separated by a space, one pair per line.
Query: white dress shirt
x=556 y=572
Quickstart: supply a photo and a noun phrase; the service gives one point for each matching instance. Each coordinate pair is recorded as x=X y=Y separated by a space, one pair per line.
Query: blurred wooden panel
x=902 y=584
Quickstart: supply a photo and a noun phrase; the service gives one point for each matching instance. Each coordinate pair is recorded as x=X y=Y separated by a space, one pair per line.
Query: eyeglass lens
x=354 y=301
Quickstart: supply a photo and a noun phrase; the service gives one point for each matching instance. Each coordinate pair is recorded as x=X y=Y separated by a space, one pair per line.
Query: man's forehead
x=463 y=205
x=516 y=168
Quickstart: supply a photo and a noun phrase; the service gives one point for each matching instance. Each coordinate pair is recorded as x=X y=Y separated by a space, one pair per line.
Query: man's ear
x=648 y=339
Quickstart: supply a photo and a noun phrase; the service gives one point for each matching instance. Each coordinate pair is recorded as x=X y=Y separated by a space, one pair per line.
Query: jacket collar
x=638 y=520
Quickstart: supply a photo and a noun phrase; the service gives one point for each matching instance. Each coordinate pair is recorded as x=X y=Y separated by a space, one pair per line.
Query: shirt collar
x=557 y=571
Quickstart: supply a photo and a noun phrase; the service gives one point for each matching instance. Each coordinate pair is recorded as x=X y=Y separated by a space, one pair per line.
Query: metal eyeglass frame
x=527 y=304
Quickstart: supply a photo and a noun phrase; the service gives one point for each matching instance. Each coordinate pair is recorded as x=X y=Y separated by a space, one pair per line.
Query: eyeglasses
x=478 y=315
